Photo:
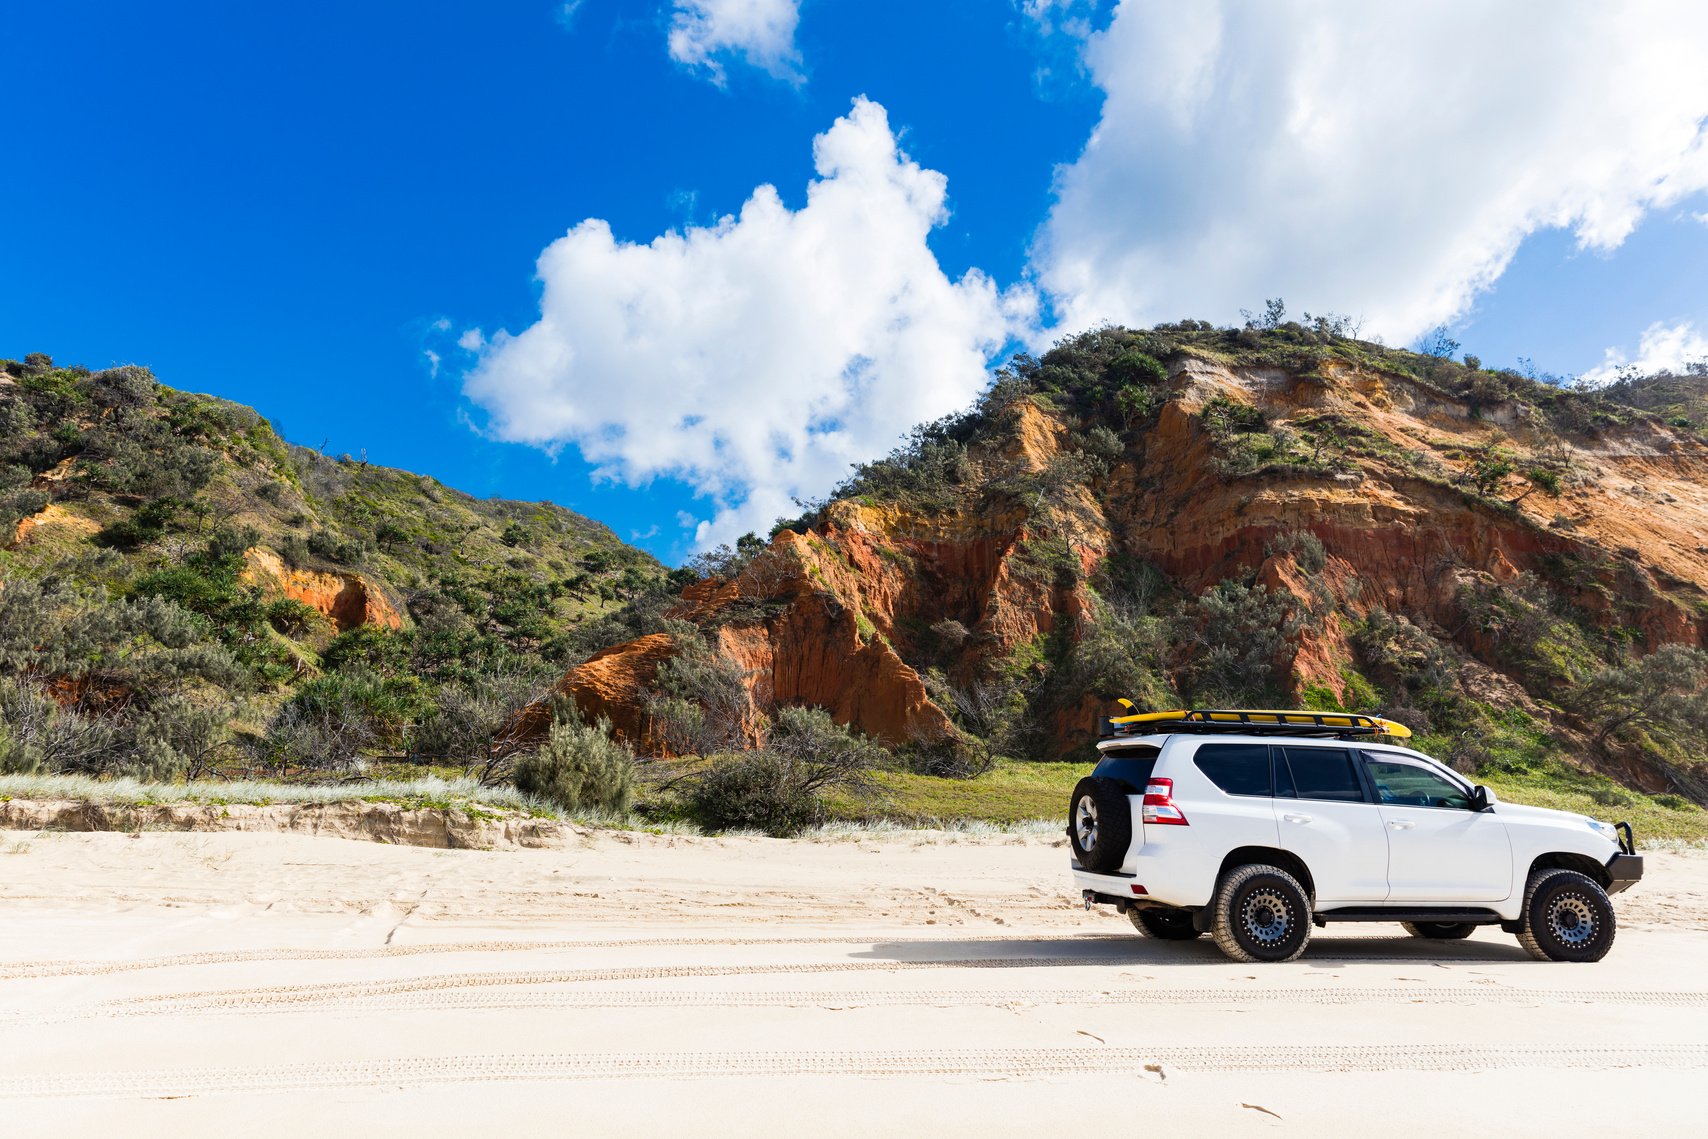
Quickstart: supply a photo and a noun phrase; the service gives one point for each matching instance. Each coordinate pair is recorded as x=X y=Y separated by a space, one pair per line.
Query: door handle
x=1401 y=824
x=1297 y=818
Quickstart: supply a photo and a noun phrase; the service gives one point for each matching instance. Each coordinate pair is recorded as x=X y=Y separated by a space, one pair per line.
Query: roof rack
x=1251 y=721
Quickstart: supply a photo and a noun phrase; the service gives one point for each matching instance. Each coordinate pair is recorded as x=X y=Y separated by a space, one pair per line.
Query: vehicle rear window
x=1238 y=769
x=1132 y=766
x=1324 y=773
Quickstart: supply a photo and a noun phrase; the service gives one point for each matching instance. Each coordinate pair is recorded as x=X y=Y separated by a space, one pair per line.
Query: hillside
x=1192 y=515
x=194 y=593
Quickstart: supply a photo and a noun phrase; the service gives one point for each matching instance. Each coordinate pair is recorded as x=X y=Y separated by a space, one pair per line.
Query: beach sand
x=903 y=984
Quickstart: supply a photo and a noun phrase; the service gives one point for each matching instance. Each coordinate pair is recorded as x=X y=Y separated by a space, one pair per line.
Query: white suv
x=1222 y=823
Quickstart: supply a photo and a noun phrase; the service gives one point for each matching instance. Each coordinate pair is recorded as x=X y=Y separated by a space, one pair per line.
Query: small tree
x=1436 y=342
x=1490 y=469
x=1240 y=633
x=581 y=767
x=1668 y=690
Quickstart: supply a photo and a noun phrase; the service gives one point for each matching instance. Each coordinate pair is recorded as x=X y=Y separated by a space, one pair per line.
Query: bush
x=175 y=737
x=472 y=722
x=17 y=505
x=963 y=757
x=754 y=790
x=331 y=720
x=147 y=523
x=1305 y=548
x=1241 y=632
x=699 y=701
x=127 y=386
x=293 y=618
x=780 y=788
x=581 y=767
x=1665 y=692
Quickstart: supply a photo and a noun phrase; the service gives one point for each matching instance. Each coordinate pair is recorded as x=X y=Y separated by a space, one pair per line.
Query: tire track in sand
x=22 y=970
x=1014 y=1062
x=448 y=998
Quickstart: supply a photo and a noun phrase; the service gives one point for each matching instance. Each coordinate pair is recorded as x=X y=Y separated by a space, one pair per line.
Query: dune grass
x=431 y=792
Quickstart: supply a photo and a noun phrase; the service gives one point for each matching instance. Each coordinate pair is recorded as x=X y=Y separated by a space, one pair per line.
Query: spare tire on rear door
x=1100 y=824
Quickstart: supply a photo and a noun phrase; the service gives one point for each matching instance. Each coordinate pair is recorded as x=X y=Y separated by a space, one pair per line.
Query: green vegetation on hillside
x=142 y=634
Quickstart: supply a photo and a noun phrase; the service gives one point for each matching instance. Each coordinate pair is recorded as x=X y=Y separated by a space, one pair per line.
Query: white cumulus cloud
x=1383 y=160
x=755 y=358
x=1662 y=348
x=705 y=34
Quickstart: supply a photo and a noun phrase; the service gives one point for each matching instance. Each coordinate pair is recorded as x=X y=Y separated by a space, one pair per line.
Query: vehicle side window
x=1284 y=788
x=1238 y=769
x=1410 y=785
x=1324 y=773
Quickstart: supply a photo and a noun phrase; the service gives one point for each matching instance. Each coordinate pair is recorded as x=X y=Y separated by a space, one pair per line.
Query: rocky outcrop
x=610 y=685
x=347 y=600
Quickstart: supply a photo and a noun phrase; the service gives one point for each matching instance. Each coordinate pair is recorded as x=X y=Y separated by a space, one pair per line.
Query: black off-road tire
x=1102 y=832
x=1261 y=914
x=1164 y=924
x=1440 y=930
x=1567 y=917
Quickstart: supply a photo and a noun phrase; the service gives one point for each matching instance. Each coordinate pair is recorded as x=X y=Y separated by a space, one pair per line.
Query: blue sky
x=291 y=207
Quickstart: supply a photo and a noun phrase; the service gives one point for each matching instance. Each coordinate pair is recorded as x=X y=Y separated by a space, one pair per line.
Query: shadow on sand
x=1102 y=950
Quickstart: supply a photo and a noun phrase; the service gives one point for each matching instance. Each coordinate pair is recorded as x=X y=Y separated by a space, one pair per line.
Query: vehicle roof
x=1162 y=739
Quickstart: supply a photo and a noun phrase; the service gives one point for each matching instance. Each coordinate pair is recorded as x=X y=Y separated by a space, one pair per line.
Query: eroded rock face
x=348 y=600
x=842 y=616
x=50 y=517
x=610 y=685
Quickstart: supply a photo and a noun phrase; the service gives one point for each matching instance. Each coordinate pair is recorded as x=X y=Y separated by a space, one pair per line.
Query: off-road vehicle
x=1253 y=826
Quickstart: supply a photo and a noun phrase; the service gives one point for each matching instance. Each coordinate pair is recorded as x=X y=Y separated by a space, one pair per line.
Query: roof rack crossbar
x=1253 y=721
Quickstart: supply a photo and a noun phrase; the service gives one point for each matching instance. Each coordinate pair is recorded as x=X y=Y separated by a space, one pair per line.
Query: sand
x=254 y=984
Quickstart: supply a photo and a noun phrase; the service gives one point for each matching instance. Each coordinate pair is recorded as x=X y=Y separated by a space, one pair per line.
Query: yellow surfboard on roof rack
x=1259 y=718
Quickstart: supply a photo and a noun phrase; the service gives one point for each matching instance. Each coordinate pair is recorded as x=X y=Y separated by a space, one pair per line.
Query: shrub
x=1304 y=547
x=127 y=386
x=1665 y=692
x=293 y=618
x=16 y=505
x=368 y=647
x=1225 y=417
x=953 y=757
x=581 y=767
x=332 y=720
x=472 y=719
x=1135 y=367
x=144 y=525
x=1241 y=632
x=175 y=737
x=754 y=790
x=699 y=701
x=779 y=789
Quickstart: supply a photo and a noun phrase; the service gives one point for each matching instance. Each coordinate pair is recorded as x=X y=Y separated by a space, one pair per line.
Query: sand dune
x=245 y=984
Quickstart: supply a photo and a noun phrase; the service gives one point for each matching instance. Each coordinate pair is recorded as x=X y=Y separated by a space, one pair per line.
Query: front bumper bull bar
x=1624 y=869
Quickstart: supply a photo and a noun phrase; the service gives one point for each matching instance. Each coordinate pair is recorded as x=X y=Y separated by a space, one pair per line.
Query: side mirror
x=1482 y=798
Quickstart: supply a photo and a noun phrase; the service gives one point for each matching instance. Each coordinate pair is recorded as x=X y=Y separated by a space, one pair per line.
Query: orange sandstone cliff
x=881 y=607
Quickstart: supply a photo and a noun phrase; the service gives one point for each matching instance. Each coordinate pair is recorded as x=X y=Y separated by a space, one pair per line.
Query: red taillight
x=1159 y=805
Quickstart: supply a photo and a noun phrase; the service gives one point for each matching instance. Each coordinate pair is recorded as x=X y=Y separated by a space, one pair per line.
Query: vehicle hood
x=1541 y=814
